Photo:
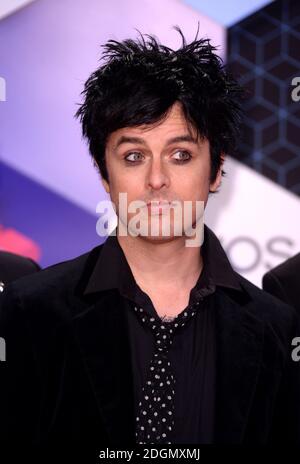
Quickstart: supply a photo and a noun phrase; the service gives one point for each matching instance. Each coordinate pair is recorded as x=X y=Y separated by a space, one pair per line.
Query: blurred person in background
x=283 y=281
x=13 y=266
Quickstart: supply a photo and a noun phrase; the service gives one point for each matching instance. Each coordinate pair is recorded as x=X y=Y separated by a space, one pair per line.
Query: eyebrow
x=138 y=140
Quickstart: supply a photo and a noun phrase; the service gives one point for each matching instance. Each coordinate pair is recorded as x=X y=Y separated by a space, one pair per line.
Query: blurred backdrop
x=49 y=188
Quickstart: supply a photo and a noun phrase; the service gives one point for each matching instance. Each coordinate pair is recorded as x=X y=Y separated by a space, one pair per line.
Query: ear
x=217 y=182
x=105 y=185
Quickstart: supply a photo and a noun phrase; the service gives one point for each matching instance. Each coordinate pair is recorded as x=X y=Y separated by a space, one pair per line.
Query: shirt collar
x=112 y=271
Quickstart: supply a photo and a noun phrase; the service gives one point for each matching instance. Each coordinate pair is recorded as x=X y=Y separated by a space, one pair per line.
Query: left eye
x=185 y=155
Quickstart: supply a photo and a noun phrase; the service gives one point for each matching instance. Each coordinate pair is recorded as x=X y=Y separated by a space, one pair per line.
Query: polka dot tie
x=155 y=420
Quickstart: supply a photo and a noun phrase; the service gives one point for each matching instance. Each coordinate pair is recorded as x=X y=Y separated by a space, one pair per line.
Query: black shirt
x=193 y=352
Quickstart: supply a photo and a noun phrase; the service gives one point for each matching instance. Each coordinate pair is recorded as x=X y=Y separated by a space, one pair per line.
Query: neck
x=162 y=263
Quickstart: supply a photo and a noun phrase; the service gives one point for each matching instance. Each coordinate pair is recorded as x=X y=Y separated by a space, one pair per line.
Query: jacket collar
x=111 y=269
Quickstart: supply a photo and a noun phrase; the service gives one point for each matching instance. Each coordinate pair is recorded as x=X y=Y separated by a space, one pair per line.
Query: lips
x=158 y=206
x=158 y=202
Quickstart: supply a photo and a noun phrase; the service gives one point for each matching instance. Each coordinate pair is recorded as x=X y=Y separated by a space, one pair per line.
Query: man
x=146 y=339
x=13 y=266
x=284 y=282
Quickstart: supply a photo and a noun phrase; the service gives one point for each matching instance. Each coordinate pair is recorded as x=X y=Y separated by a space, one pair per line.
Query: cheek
x=129 y=185
x=194 y=185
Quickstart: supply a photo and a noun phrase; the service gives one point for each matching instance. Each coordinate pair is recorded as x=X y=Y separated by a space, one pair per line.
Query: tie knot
x=164 y=330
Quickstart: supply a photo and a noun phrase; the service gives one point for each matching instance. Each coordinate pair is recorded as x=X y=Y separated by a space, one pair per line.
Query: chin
x=159 y=238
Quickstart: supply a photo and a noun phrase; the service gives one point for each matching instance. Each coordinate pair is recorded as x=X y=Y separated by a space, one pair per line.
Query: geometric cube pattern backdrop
x=264 y=51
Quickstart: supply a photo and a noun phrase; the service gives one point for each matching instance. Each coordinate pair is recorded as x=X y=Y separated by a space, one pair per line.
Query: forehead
x=174 y=123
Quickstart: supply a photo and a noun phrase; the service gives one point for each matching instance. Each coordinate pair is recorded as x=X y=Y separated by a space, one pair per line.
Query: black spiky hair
x=141 y=79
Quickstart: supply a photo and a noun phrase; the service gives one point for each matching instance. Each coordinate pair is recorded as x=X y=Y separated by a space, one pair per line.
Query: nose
x=157 y=176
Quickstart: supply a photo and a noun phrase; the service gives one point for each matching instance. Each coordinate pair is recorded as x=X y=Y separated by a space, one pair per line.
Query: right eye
x=134 y=155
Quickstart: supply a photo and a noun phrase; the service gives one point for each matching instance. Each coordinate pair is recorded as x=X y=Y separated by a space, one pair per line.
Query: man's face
x=164 y=162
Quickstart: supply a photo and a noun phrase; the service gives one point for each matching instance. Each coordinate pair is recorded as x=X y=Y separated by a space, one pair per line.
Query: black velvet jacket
x=68 y=378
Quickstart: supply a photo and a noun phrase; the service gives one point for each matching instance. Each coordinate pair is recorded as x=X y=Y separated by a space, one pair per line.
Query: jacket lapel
x=239 y=350
x=102 y=335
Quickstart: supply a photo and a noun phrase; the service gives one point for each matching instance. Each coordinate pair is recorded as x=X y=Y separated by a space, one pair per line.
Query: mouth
x=158 y=202
x=158 y=206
